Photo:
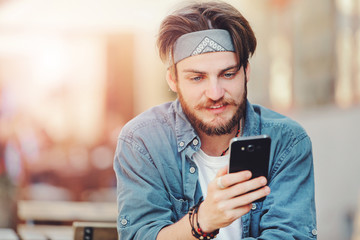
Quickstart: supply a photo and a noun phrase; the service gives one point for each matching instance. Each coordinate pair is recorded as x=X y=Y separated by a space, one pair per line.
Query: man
x=174 y=155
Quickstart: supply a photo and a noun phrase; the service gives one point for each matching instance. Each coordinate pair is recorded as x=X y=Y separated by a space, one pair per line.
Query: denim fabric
x=157 y=180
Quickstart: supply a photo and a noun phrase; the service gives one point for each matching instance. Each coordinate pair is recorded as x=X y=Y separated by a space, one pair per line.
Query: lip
x=218 y=109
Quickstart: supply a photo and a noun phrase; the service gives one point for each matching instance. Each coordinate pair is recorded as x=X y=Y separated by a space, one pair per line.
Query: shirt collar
x=252 y=121
x=185 y=133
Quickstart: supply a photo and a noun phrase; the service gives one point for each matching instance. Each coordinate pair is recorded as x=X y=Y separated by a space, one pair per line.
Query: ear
x=171 y=81
x=248 y=71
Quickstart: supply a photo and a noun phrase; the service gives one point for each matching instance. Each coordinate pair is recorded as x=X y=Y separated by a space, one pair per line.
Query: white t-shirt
x=208 y=167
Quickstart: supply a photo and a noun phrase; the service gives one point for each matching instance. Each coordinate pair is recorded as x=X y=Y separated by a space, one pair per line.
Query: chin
x=216 y=123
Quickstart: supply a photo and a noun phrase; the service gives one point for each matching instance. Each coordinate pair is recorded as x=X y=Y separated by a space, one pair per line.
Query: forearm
x=180 y=230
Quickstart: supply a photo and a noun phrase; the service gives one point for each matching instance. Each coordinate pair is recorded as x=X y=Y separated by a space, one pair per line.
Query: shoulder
x=153 y=119
x=278 y=126
x=156 y=116
x=290 y=144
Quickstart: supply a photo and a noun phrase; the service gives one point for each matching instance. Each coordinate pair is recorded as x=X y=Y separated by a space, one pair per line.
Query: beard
x=221 y=128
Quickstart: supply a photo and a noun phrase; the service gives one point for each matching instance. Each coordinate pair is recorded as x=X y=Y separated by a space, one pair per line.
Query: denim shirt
x=157 y=180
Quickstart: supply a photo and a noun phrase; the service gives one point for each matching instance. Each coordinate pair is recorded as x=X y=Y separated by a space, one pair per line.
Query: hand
x=230 y=198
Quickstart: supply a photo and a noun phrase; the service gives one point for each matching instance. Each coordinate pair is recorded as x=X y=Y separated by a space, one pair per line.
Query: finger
x=234 y=178
x=222 y=171
x=252 y=196
x=247 y=186
x=243 y=200
x=219 y=183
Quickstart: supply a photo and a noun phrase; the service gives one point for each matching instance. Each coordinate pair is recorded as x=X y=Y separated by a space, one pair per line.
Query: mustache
x=209 y=103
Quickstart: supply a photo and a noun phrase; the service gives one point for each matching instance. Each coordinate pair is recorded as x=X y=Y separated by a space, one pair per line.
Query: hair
x=202 y=16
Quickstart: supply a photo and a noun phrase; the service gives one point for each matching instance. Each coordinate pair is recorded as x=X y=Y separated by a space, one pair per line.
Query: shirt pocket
x=180 y=206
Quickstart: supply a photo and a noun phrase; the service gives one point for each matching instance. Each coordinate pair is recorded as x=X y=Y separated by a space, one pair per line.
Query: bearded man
x=171 y=161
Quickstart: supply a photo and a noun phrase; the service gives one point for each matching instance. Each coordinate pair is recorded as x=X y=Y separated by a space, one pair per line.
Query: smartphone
x=250 y=153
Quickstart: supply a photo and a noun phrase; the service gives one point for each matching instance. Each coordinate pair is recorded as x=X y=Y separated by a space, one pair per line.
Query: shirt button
x=253 y=206
x=124 y=222
x=181 y=144
x=195 y=142
x=314 y=232
x=192 y=170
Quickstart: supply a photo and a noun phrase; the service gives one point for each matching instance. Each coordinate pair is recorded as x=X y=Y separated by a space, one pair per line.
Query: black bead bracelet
x=198 y=233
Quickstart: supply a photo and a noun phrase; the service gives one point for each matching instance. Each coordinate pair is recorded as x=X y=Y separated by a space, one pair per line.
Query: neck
x=215 y=145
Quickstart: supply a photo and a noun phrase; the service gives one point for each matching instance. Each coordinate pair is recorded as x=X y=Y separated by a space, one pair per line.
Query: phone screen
x=250 y=153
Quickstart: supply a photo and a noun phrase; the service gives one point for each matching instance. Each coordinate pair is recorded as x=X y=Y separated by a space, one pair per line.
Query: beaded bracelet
x=199 y=234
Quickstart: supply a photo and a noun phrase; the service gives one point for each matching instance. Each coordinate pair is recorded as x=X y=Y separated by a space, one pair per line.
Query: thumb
x=223 y=171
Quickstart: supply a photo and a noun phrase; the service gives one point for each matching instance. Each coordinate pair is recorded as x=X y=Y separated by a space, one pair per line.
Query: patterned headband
x=195 y=43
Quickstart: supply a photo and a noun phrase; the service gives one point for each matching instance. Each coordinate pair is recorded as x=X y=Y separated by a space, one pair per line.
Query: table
x=8 y=234
x=99 y=231
x=45 y=232
x=60 y=220
x=67 y=211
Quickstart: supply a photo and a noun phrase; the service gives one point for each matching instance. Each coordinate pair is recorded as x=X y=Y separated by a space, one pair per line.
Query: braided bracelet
x=199 y=234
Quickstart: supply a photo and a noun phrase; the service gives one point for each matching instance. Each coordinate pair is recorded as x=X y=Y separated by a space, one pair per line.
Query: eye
x=229 y=75
x=196 y=78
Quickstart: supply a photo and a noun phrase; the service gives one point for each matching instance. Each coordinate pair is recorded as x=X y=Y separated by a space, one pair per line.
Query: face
x=212 y=91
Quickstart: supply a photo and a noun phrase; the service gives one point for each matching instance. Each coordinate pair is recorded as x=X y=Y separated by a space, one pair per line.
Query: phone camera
x=250 y=148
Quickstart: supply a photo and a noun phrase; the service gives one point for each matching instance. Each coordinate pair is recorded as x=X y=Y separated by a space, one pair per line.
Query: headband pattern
x=195 y=43
x=208 y=45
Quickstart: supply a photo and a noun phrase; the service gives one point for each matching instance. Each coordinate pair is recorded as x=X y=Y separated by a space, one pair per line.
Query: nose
x=214 y=90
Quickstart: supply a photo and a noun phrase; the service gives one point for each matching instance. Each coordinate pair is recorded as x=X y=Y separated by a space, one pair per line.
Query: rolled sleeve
x=143 y=204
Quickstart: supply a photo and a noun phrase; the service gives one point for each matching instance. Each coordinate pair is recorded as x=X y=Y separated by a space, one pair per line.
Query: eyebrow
x=200 y=72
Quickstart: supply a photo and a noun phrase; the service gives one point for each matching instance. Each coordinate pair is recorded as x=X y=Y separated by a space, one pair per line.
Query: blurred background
x=72 y=73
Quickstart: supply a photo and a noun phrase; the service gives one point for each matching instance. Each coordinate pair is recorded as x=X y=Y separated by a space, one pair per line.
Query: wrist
x=196 y=229
x=203 y=221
